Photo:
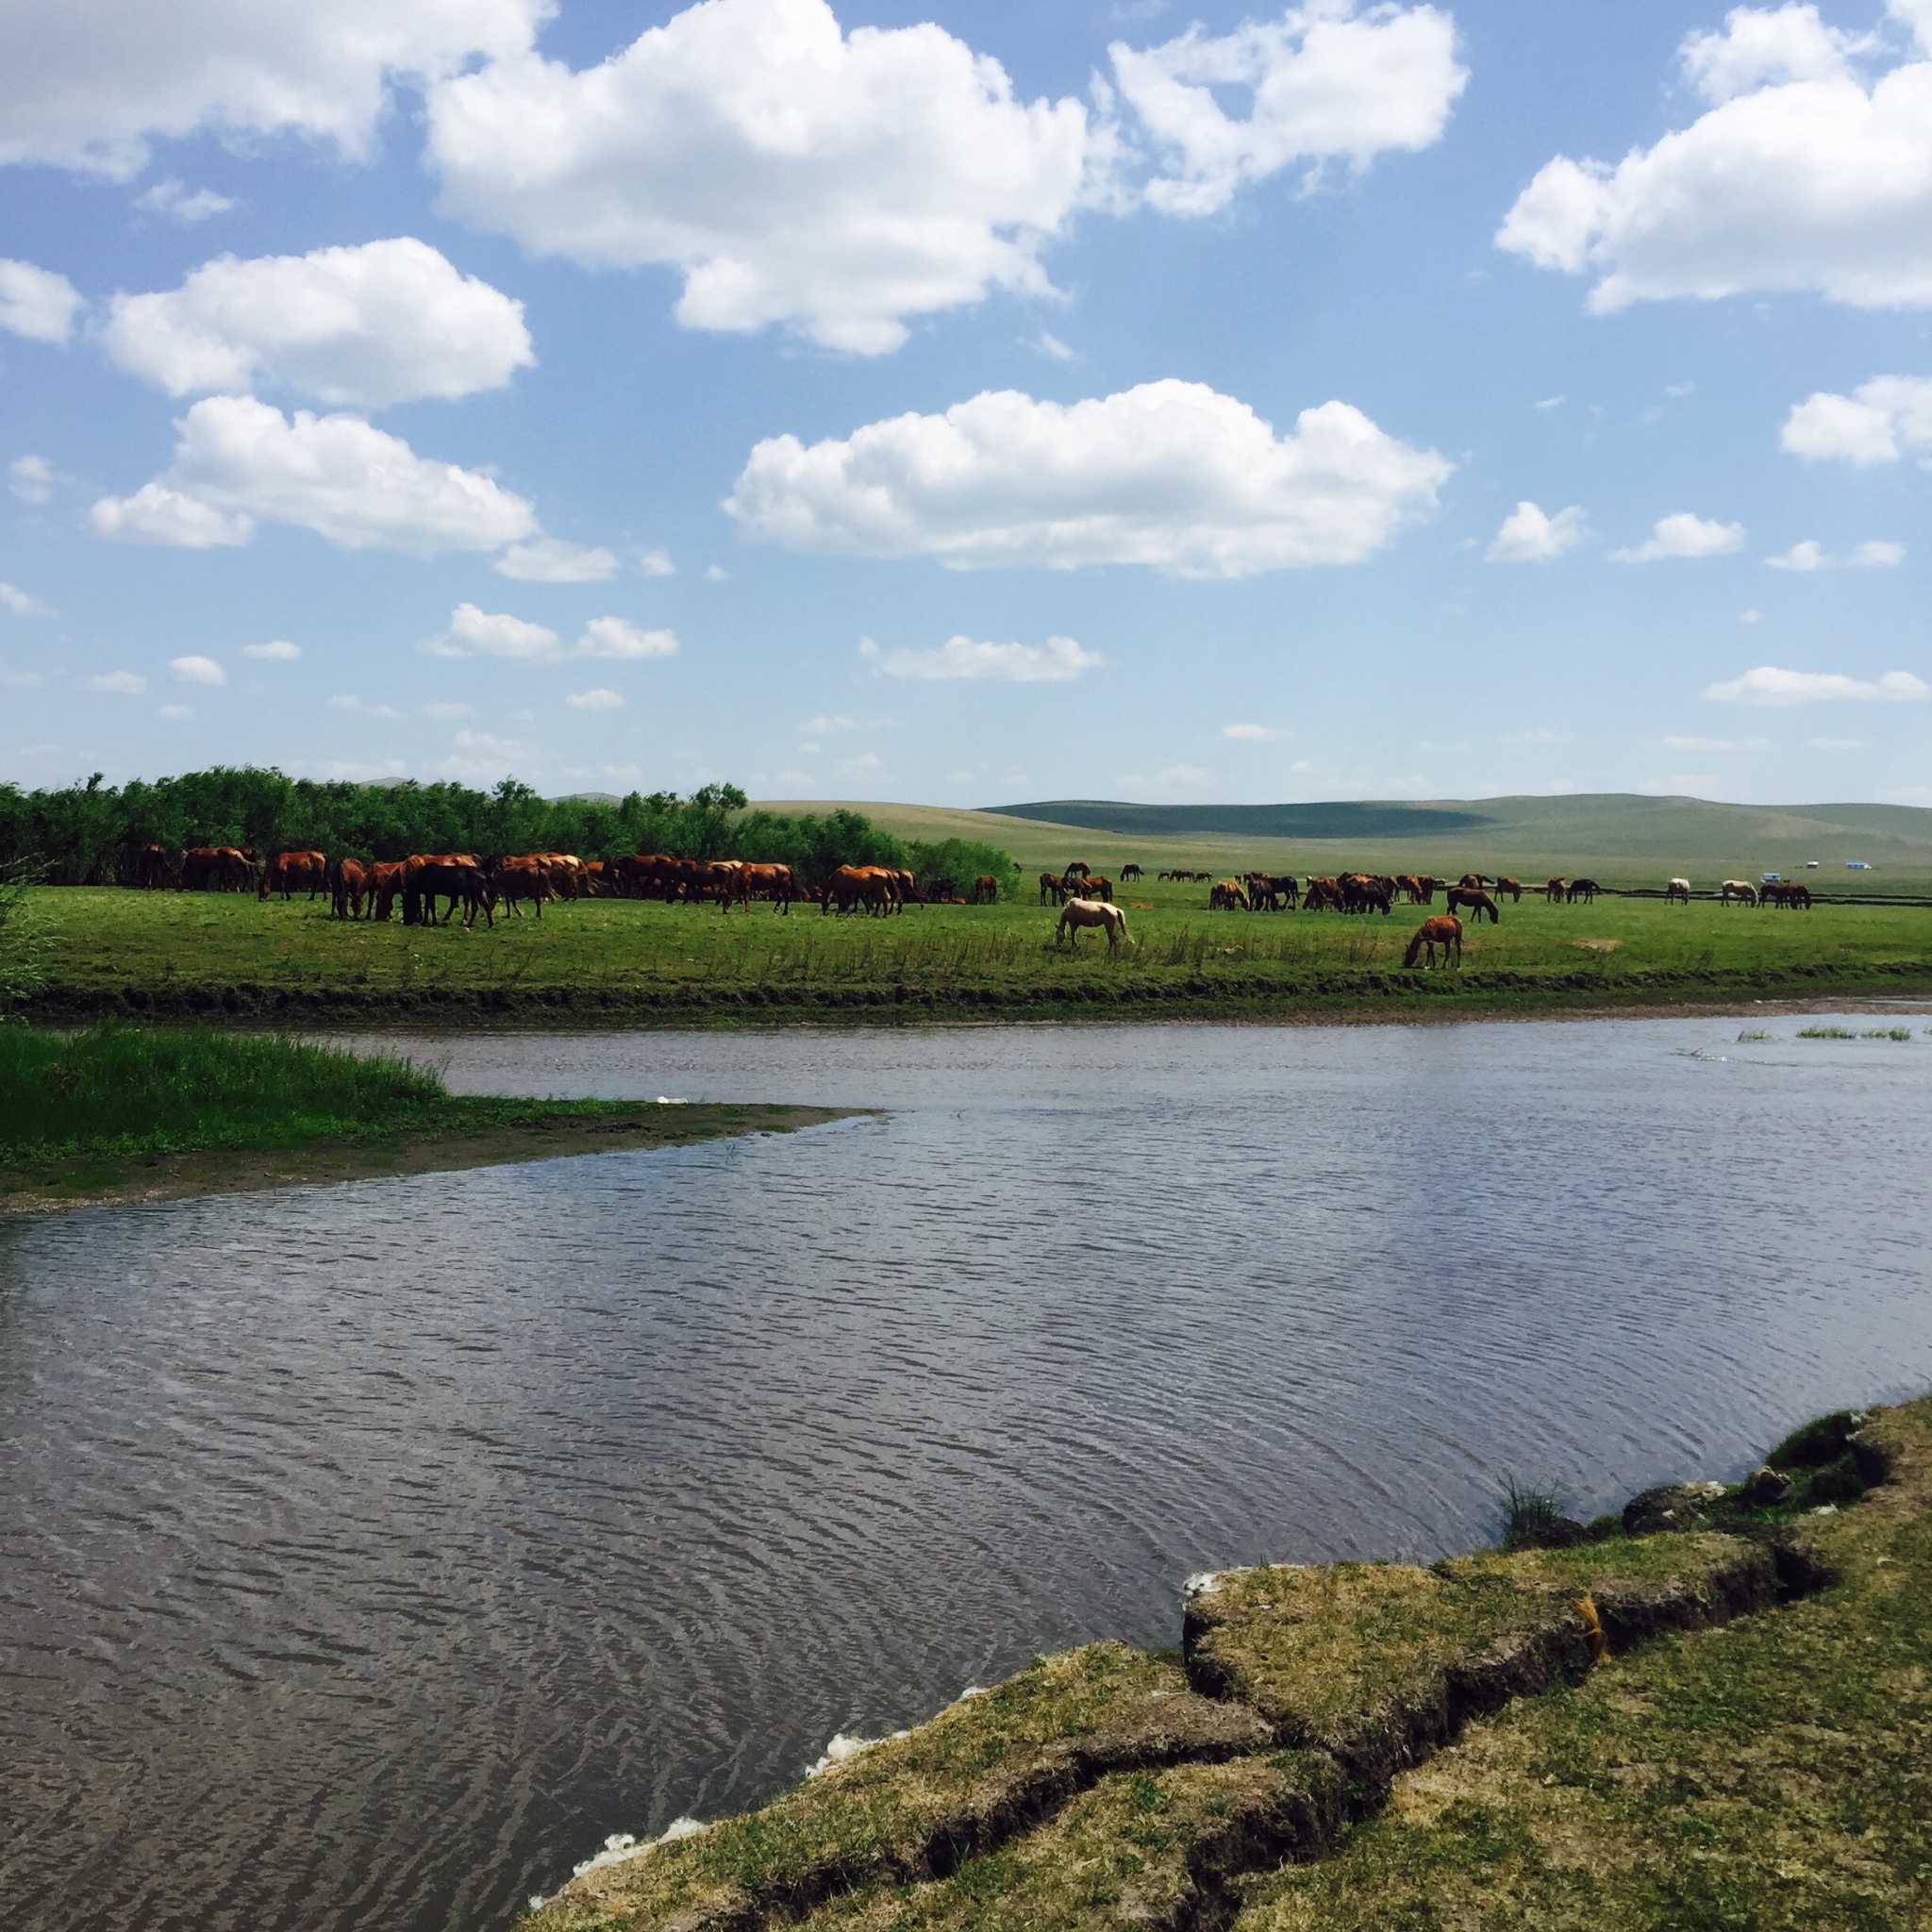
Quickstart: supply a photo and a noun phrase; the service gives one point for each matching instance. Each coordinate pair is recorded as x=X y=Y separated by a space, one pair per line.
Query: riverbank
x=223 y=958
x=1710 y=1711
x=124 y=1114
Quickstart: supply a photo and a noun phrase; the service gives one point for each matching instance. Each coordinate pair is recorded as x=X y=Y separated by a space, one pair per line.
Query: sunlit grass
x=168 y=946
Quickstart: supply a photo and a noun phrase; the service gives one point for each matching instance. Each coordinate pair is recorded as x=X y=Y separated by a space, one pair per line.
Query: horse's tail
x=1415 y=951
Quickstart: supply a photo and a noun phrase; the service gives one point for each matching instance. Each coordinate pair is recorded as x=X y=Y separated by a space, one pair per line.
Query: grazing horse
x=1051 y=892
x=1557 y=889
x=1471 y=882
x=289 y=872
x=1513 y=887
x=1677 y=889
x=1585 y=890
x=1131 y=872
x=1323 y=895
x=1741 y=891
x=1226 y=897
x=1095 y=887
x=1478 y=903
x=1360 y=893
x=1076 y=913
x=985 y=890
x=1431 y=933
x=349 y=885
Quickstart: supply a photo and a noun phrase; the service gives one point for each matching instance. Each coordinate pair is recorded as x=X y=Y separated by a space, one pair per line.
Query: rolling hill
x=1622 y=837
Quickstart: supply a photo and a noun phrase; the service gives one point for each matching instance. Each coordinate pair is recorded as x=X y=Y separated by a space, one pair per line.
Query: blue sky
x=970 y=405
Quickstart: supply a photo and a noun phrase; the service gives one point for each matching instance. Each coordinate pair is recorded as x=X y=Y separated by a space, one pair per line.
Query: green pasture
x=183 y=953
x=1623 y=839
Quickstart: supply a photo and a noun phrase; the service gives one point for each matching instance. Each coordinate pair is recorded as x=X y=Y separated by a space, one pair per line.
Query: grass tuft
x=1528 y=1513
x=1826 y=1032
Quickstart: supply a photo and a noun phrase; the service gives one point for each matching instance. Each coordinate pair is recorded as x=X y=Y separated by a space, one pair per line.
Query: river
x=367 y=1553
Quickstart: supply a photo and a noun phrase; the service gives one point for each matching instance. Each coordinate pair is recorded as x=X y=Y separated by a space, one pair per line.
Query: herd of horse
x=431 y=885
x=460 y=881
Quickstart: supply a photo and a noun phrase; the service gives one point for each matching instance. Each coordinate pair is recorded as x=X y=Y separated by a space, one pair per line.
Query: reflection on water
x=367 y=1553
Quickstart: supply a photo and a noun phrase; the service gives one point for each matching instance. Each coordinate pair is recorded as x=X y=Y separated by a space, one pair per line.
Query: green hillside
x=1622 y=838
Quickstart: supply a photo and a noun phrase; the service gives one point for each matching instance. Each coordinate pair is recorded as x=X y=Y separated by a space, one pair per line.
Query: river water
x=368 y=1553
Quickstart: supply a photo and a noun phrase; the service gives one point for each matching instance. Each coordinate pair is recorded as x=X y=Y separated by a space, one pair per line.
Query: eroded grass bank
x=210 y=956
x=117 y=1112
x=1718 y=1722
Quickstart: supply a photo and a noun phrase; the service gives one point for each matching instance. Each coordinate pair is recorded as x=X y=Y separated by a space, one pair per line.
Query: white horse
x=1743 y=891
x=1678 y=888
x=1079 y=912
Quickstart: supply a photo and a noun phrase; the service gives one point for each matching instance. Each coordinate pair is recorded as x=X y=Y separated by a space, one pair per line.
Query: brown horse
x=1556 y=890
x=348 y=887
x=985 y=890
x=1513 y=887
x=1476 y=903
x=1050 y=890
x=1431 y=933
x=1227 y=897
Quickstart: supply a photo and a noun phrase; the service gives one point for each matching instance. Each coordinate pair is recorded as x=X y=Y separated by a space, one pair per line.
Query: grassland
x=1722 y=1727
x=210 y=955
x=1621 y=838
x=119 y=1112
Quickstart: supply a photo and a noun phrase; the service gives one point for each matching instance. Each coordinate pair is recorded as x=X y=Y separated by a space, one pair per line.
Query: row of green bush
x=88 y=835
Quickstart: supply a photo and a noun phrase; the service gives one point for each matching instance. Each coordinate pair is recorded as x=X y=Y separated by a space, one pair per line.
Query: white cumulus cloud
x=17 y=602
x=1252 y=734
x=172 y=199
x=1768 y=685
x=1876 y=423
x=1059 y=660
x=596 y=699
x=1171 y=474
x=87 y=83
x=383 y=323
x=155 y=514
x=794 y=174
x=1811 y=555
x=239 y=462
x=1801 y=176
x=36 y=303
x=1529 y=535
x=1324 y=82
x=550 y=560
x=1684 y=535
x=197 y=670
x=277 y=651
x=474 y=632
x=124 y=684
x=32 y=478
x=616 y=638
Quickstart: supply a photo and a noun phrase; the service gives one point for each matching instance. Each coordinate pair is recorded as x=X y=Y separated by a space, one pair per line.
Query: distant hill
x=1349 y=819
x=1621 y=837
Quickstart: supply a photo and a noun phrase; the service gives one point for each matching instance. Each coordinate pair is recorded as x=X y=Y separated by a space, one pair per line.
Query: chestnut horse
x=1431 y=933
x=1513 y=887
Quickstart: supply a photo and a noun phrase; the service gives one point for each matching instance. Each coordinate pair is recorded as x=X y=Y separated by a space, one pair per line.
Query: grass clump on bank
x=128 y=1089
x=118 y=1112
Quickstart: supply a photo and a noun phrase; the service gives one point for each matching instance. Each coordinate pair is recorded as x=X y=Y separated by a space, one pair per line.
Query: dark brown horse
x=1476 y=903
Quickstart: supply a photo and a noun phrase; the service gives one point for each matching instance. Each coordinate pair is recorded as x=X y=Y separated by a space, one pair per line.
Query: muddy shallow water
x=368 y=1552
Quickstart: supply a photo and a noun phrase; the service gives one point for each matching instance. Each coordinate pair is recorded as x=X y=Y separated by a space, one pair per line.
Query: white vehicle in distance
x=1810 y=865
x=1856 y=865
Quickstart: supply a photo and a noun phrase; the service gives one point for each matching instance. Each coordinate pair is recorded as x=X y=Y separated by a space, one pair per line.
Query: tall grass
x=131 y=1090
